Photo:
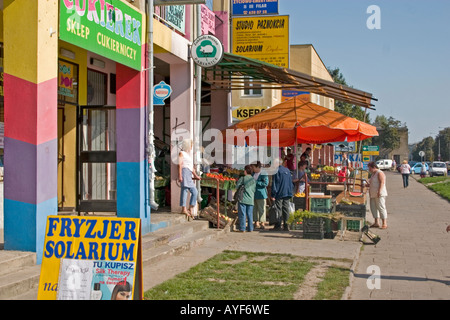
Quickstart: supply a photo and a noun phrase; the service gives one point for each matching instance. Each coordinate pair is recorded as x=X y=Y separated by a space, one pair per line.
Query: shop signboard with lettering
x=208 y=20
x=243 y=113
x=176 y=17
x=112 y=29
x=262 y=38
x=289 y=94
x=91 y=258
x=254 y=7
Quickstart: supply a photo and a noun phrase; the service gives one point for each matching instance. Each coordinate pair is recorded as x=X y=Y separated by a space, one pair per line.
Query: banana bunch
x=346 y=201
x=300 y=195
x=315 y=176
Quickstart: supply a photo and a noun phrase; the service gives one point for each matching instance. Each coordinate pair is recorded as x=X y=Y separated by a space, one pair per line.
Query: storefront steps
x=173 y=235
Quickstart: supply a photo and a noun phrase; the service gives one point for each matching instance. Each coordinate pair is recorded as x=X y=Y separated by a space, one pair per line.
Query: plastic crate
x=299 y=203
x=296 y=226
x=353 y=210
x=312 y=225
x=314 y=228
x=354 y=225
x=322 y=204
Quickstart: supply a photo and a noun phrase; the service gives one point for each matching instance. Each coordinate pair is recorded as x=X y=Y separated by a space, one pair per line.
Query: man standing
x=281 y=194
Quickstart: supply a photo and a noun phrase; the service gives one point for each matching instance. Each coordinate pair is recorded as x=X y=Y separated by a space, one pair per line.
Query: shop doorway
x=96 y=149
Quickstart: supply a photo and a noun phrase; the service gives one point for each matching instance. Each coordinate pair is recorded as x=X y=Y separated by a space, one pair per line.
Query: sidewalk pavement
x=413 y=255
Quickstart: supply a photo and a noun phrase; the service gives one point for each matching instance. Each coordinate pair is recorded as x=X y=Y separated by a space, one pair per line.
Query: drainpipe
x=151 y=113
x=198 y=101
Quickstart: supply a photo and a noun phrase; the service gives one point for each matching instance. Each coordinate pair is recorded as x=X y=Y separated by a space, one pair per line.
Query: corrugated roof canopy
x=229 y=73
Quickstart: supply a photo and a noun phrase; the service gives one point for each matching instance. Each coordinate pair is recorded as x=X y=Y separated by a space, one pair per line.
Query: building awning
x=230 y=72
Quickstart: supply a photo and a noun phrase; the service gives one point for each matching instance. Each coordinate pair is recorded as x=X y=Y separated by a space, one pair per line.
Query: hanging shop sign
x=176 y=17
x=254 y=7
x=91 y=258
x=207 y=51
x=112 y=29
x=161 y=92
x=243 y=113
x=208 y=20
x=262 y=38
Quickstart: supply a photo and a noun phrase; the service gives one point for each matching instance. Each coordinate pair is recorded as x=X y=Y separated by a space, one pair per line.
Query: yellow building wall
x=68 y=184
x=305 y=59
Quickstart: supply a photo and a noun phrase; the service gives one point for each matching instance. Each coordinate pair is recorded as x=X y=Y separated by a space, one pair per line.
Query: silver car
x=438 y=168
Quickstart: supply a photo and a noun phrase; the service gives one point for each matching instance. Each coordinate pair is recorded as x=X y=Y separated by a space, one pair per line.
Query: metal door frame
x=92 y=157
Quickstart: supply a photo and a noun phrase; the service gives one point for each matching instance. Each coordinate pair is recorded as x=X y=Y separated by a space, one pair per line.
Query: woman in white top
x=378 y=194
x=405 y=170
x=185 y=172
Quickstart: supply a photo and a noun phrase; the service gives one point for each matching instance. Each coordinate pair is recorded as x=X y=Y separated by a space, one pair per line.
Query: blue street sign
x=254 y=7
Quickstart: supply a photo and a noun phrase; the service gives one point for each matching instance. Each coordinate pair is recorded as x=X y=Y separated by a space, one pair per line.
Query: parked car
x=384 y=164
x=438 y=168
x=416 y=168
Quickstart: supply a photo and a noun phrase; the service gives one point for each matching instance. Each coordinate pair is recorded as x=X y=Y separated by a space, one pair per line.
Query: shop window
x=67 y=83
x=97 y=88
x=251 y=89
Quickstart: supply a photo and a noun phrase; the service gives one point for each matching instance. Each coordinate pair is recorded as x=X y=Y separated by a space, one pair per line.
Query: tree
x=426 y=145
x=442 y=144
x=388 y=129
x=346 y=108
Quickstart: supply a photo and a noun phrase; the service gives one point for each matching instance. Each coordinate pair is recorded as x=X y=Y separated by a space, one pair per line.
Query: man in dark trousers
x=282 y=188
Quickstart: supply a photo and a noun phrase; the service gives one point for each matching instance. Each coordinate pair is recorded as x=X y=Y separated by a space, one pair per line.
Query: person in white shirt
x=405 y=170
x=186 y=173
x=378 y=194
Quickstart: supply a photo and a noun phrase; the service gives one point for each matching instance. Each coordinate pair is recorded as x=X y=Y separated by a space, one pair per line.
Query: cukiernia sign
x=110 y=28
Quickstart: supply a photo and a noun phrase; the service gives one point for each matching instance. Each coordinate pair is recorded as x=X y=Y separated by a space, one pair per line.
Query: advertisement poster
x=262 y=38
x=84 y=254
x=95 y=280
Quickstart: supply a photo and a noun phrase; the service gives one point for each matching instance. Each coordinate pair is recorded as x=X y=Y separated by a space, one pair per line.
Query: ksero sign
x=207 y=51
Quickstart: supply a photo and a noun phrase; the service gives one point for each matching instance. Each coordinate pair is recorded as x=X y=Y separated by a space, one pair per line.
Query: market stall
x=298 y=121
x=211 y=206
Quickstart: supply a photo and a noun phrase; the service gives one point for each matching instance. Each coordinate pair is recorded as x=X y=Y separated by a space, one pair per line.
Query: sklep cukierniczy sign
x=112 y=29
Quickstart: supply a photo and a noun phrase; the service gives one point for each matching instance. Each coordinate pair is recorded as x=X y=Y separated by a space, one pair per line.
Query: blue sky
x=405 y=64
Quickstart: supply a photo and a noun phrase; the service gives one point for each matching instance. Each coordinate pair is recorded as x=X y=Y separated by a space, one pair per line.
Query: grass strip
x=333 y=285
x=236 y=275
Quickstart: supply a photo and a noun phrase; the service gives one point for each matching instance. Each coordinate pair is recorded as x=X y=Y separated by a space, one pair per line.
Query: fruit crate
x=353 y=225
x=299 y=203
x=296 y=226
x=320 y=204
x=353 y=210
x=313 y=228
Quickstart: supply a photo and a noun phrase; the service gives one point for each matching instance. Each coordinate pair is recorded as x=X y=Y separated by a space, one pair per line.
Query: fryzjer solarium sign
x=110 y=28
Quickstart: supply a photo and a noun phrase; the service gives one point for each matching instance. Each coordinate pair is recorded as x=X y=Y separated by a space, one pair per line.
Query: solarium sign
x=110 y=28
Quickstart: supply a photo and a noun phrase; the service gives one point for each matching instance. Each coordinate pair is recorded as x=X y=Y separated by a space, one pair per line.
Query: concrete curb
x=351 y=277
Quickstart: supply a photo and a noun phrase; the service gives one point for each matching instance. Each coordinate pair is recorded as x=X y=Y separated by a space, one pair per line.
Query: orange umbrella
x=297 y=121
